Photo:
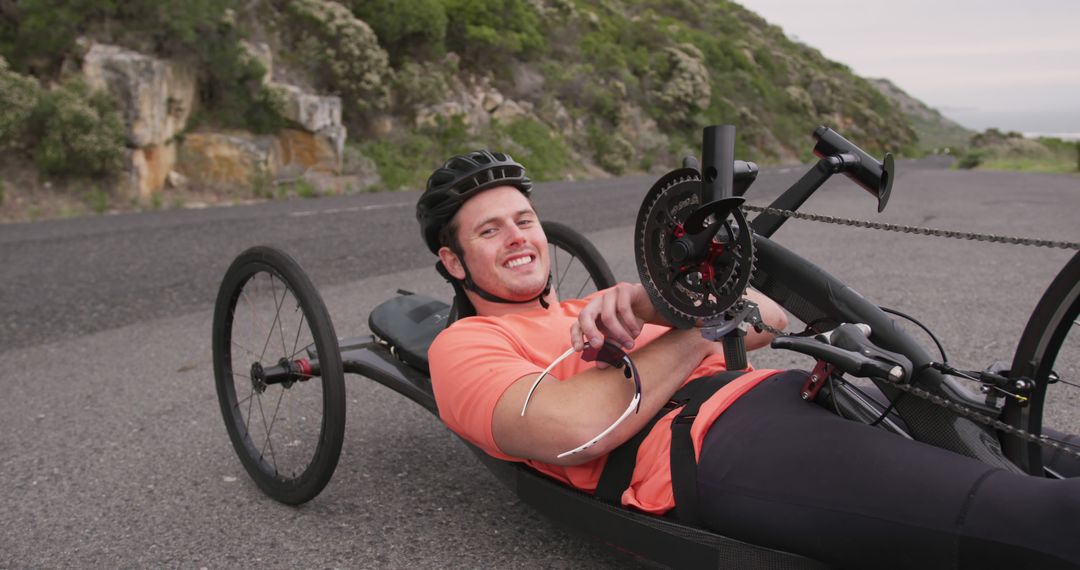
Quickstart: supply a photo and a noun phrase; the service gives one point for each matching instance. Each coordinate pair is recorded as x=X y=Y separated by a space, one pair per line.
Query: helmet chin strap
x=469 y=284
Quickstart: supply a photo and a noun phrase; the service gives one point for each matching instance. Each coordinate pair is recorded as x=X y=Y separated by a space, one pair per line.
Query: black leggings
x=779 y=472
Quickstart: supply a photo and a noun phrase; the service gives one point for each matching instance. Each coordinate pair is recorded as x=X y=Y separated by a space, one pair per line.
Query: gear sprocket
x=695 y=260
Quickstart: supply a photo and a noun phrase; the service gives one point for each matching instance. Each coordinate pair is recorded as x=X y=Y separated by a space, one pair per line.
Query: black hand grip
x=735 y=350
x=873 y=176
x=847 y=361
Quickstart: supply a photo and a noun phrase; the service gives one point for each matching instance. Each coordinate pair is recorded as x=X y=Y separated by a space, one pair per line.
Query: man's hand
x=618 y=315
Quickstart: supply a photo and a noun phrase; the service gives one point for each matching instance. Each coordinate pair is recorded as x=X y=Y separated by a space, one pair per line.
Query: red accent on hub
x=305 y=367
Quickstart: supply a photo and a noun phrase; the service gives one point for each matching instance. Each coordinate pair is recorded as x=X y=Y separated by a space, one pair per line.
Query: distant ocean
x=1058 y=123
x=1062 y=136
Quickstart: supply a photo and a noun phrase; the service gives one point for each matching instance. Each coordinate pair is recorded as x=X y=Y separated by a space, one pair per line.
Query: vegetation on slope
x=613 y=85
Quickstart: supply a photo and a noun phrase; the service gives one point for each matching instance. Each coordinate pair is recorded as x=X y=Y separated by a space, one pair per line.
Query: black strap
x=619 y=469
x=683 y=461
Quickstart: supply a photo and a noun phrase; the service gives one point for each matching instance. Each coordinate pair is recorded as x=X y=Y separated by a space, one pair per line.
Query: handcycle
x=279 y=364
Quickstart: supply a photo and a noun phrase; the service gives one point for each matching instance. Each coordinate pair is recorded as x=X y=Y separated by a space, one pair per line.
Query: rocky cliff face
x=157 y=98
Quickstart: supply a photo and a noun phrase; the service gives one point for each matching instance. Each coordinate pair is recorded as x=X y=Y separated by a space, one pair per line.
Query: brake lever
x=856 y=338
x=847 y=361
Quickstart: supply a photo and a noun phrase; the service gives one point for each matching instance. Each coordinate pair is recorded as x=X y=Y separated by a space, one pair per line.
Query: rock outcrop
x=156 y=98
x=477 y=102
x=312 y=147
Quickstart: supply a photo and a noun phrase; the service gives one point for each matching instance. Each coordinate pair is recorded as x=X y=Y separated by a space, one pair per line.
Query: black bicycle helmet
x=459 y=179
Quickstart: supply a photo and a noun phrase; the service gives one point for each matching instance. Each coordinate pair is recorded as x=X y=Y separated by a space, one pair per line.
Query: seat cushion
x=409 y=323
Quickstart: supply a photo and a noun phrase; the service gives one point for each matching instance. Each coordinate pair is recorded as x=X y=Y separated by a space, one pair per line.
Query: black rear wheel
x=278 y=372
x=577 y=268
x=1049 y=354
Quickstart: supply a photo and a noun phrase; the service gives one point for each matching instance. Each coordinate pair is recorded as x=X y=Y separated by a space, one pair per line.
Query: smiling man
x=738 y=452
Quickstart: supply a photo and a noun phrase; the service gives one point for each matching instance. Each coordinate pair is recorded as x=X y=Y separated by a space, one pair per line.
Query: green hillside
x=933 y=131
x=570 y=87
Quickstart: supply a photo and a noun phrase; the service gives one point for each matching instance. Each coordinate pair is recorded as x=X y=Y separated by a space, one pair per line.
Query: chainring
x=694 y=292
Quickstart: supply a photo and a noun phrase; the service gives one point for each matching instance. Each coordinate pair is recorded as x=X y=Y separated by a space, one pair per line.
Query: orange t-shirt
x=475 y=360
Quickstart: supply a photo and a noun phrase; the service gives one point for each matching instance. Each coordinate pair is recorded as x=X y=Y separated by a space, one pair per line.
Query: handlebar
x=848 y=347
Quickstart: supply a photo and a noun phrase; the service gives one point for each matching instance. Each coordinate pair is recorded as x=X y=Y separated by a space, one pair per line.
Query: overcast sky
x=984 y=63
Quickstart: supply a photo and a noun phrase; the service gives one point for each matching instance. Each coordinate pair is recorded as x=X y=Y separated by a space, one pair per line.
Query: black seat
x=409 y=323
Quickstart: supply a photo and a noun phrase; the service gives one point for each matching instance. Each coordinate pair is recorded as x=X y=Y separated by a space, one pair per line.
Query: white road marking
x=350 y=209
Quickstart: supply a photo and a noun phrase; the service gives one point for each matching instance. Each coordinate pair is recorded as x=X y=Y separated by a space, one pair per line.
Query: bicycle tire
x=565 y=277
x=235 y=343
x=1037 y=352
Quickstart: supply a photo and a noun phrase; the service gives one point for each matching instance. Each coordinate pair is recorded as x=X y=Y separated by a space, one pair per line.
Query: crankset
x=695 y=259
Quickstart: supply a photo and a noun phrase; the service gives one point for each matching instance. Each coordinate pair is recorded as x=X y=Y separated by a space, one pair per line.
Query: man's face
x=504 y=246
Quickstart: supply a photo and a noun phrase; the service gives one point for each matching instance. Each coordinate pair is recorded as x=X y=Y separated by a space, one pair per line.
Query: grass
x=305 y=189
x=1023 y=164
x=98 y=200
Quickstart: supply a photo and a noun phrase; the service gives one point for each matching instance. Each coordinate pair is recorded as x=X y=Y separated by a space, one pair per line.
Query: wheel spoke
x=277 y=313
x=267 y=443
x=277 y=316
x=566 y=270
x=588 y=280
x=555 y=266
x=246 y=349
x=296 y=340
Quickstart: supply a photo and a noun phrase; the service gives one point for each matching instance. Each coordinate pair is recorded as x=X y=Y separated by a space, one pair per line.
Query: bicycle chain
x=914 y=229
x=983 y=418
x=955 y=407
x=946 y=403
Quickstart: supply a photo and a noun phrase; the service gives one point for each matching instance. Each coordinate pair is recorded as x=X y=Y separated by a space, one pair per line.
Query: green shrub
x=405 y=164
x=43 y=31
x=416 y=85
x=487 y=32
x=971 y=159
x=3 y=192
x=406 y=28
x=545 y=154
x=98 y=200
x=77 y=133
x=305 y=189
x=345 y=51
x=18 y=97
x=405 y=160
x=611 y=151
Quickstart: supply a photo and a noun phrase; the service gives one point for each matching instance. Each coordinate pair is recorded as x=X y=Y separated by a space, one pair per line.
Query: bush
x=406 y=28
x=407 y=159
x=77 y=133
x=43 y=31
x=684 y=85
x=346 y=51
x=18 y=97
x=544 y=153
x=415 y=86
x=611 y=151
x=486 y=32
x=971 y=159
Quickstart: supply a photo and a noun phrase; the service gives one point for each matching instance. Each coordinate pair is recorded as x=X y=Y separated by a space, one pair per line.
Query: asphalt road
x=114 y=454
